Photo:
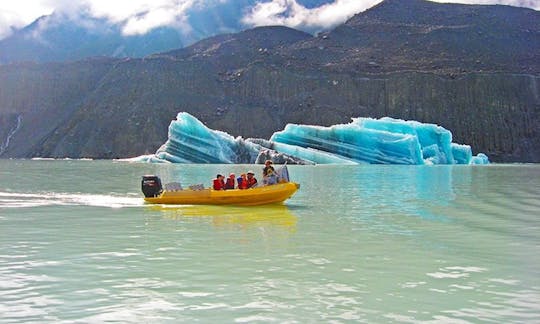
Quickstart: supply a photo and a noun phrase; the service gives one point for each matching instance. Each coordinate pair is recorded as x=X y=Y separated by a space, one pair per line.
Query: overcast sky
x=139 y=16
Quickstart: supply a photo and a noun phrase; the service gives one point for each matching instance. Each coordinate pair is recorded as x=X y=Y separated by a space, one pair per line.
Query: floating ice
x=352 y=142
x=364 y=140
x=190 y=141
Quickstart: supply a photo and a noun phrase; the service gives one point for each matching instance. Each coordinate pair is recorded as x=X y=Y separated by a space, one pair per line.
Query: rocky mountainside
x=418 y=35
x=472 y=69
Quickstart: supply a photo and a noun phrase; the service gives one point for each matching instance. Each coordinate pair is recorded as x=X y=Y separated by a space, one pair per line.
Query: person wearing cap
x=219 y=183
x=269 y=173
x=229 y=184
x=251 y=181
x=268 y=168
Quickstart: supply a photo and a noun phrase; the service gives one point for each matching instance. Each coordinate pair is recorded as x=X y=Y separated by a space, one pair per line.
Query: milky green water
x=375 y=244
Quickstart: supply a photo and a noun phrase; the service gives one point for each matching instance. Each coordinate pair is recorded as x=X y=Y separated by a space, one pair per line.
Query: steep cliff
x=253 y=83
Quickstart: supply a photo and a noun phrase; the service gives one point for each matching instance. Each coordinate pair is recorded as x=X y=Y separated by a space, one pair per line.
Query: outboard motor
x=151 y=185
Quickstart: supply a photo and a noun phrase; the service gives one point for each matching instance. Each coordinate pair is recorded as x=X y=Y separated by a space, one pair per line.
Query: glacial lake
x=367 y=243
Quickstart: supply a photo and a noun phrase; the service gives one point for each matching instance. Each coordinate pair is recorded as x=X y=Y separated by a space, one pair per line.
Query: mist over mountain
x=59 y=38
x=77 y=35
x=474 y=70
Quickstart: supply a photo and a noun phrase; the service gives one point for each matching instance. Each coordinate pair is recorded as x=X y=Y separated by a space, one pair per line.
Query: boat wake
x=22 y=200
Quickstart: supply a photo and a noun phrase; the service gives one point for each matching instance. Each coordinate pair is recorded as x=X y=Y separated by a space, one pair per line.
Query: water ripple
x=371 y=244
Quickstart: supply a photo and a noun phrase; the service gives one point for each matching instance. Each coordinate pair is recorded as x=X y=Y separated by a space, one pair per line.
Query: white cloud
x=136 y=16
x=140 y=16
x=292 y=14
x=20 y=13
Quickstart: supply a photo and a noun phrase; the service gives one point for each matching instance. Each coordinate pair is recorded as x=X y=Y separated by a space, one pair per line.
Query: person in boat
x=269 y=173
x=229 y=184
x=268 y=167
x=219 y=182
x=242 y=181
x=251 y=180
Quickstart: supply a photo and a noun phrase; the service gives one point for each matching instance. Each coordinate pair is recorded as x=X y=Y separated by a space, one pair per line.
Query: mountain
x=61 y=38
x=398 y=35
x=463 y=67
x=68 y=37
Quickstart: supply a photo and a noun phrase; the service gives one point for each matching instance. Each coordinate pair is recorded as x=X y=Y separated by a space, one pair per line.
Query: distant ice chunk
x=462 y=153
x=480 y=158
x=148 y=158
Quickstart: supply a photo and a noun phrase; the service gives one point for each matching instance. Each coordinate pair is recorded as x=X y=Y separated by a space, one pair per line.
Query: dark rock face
x=421 y=66
x=418 y=35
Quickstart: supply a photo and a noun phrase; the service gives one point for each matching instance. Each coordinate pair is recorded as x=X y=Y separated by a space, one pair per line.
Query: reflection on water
x=224 y=216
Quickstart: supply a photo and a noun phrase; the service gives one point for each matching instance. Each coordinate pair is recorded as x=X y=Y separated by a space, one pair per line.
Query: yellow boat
x=270 y=194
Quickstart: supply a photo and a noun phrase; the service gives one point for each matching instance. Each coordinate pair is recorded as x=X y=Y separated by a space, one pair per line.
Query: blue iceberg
x=363 y=140
x=190 y=141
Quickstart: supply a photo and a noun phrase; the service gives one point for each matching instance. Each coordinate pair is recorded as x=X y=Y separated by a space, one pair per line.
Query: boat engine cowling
x=151 y=185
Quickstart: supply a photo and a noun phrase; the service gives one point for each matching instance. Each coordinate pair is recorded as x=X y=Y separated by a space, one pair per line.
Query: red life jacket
x=242 y=183
x=219 y=184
